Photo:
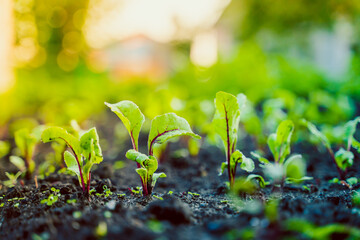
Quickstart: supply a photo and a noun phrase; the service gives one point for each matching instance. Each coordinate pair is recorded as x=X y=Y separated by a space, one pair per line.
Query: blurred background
x=60 y=60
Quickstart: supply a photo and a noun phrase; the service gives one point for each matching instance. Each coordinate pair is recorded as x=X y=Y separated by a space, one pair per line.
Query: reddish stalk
x=78 y=162
x=228 y=152
x=138 y=164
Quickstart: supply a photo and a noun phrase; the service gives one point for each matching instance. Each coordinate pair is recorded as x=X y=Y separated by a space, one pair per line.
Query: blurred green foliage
x=56 y=82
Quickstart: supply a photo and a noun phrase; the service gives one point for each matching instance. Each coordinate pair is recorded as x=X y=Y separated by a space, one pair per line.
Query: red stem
x=228 y=153
x=138 y=164
x=88 y=185
x=80 y=170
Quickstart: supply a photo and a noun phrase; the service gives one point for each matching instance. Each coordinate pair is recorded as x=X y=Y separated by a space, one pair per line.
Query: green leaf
x=12 y=179
x=18 y=162
x=167 y=126
x=257 y=178
x=260 y=158
x=155 y=177
x=352 y=180
x=297 y=180
x=224 y=165
x=272 y=145
x=247 y=164
x=26 y=142
x=58 y=133
x=143 y=174
x=344 y=159
x=235 y=158
x=350 y=129
x=356 y=144
x=89 y=144
x=295 y=167
x=131 y=116
x=72 y=164
x=136 y=156
x=226 y=119
x=279 y=143
x=312 y=128
x=151 y=164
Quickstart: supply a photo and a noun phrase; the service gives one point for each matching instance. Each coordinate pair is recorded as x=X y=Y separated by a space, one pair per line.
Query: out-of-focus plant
x=226 y=124
x=4 y=148
x=290 y=169
x=163 y=128
x=12 y=179
x=85 y=149
x=312 y=231
x=343 y=158
x=26 y=141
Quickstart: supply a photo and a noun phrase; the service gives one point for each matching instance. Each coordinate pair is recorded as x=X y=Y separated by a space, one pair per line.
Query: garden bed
x=197 y=206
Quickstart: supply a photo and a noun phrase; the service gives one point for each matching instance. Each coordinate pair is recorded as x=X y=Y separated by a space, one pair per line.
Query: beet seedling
x=26 y=141
x=291 y=169
x=163 y=128
x=86 y=152
x=343 y=158
x=226 y=124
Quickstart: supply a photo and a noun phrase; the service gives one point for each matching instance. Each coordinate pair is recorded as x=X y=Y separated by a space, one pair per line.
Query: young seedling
x=343 y=158
x=163 y=128
x=226 y=124
x=290 y=169
x=86 y=152
x=12 y=179
x=53 y=197
x=26 y=141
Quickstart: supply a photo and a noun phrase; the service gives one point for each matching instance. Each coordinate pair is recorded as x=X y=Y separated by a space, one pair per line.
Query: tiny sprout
x=352 y=181
x=12 y=179
x=289 y=169
x=26 y=141
x=306 y=188
x=160 y=198
x=194 y=195
x=53 y=198
x=106 y=192
x=70 y=201
x=121 y=195
x=135 y=191
x=343 y=158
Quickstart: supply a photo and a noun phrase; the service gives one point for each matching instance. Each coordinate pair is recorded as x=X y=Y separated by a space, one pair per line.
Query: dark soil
x=181 y=215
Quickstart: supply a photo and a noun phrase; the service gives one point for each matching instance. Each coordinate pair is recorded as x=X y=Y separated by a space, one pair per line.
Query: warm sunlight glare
x=6 y=41
x=160 y=20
